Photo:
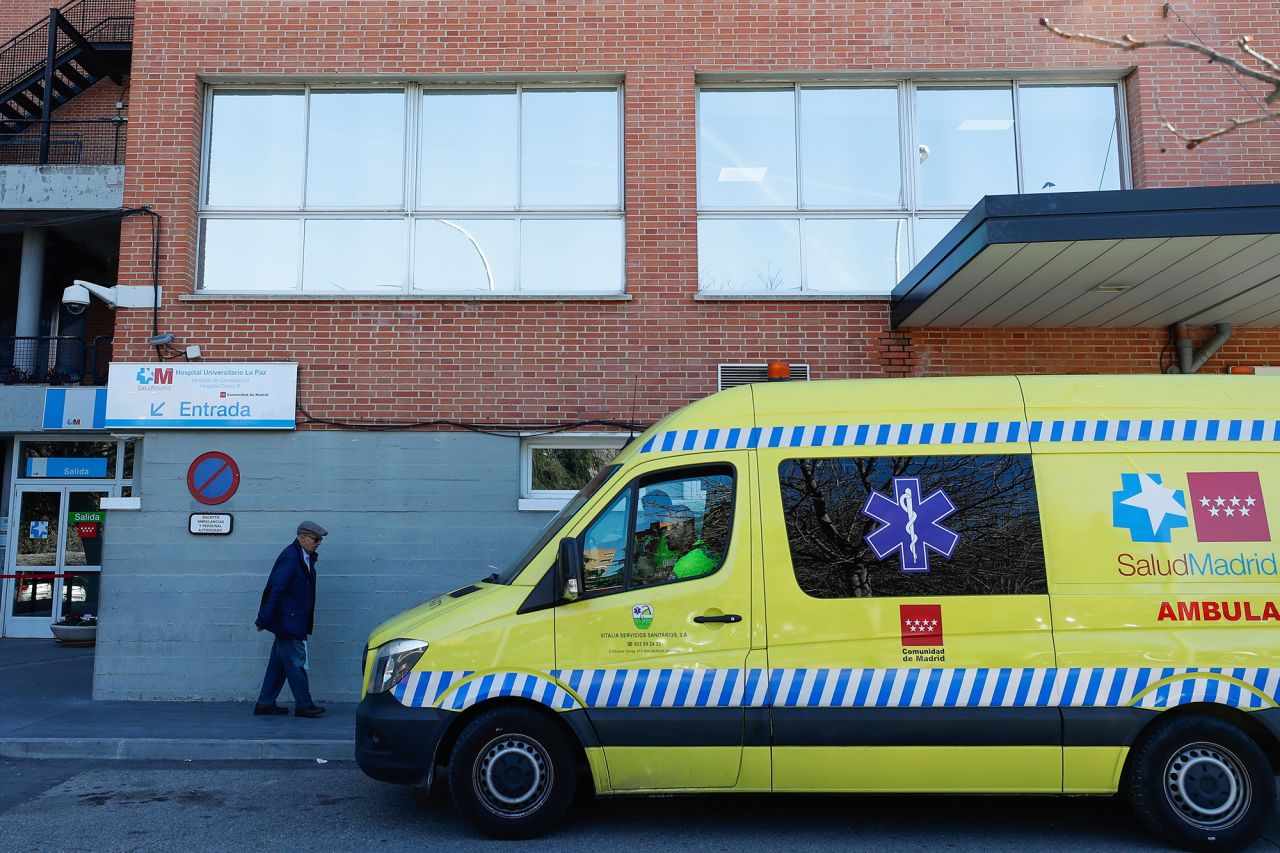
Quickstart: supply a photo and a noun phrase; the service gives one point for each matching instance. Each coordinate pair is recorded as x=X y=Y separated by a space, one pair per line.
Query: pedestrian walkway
x=47 y=711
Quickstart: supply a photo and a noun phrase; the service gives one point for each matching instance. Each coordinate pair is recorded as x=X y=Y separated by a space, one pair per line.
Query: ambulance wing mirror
x=569 y=569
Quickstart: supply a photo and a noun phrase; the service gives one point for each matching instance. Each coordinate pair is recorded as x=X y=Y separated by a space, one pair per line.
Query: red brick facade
x=423 y=358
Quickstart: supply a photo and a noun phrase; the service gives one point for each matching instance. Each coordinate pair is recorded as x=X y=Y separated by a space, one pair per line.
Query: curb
x=153 y=749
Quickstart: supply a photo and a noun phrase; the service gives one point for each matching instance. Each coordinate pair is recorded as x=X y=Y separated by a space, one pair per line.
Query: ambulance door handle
x=725 y=617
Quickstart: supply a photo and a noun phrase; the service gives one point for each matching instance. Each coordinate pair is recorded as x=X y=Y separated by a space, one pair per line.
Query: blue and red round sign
x=213 y=477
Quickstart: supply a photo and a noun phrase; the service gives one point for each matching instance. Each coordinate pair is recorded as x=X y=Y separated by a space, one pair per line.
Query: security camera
x=76 y=299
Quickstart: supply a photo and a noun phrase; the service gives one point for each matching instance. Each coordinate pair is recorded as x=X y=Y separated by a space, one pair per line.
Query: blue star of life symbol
x=144 y=376
x=911 y=526
x=1149 y=509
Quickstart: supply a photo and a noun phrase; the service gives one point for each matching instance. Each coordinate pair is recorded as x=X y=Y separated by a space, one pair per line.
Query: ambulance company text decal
x=921 y=626
x=1226 y=506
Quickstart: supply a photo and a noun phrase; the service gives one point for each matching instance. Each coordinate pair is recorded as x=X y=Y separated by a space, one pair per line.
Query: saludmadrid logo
x=1197 y=566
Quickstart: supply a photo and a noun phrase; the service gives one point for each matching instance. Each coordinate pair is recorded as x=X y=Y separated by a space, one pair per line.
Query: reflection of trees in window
x=1000 y=551
x=568 y=468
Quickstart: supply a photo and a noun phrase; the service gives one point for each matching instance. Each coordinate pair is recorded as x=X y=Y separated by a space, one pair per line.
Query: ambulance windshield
x=553 y=526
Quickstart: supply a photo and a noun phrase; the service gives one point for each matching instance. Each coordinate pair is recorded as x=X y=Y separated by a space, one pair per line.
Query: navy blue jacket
x=289 y=602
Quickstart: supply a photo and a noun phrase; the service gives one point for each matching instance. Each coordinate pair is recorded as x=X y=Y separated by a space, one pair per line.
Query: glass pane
x=563 y=255
x=355 y=255
x=850 y=152
x=604 y=547
x=569 y=148
x=33 y=594
x=965 y=145
x=747 y=148
x=255 y=149
x=130 y=447
x=249 y=254
x=37 y=544
x=454 y=255
x=469 y=149
x=855 y=255
x=85 y=529
x=568 y=468
x=682 y=528
x=80 y=594
x=355 y=149
x=78 y=460
x=749 y=254
x=929 y=232
x=1069 y=138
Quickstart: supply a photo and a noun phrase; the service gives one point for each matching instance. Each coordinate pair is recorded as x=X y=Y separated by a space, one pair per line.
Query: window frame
x=546 y=500
x=633 y=486
x=411 y=210
x=911 y=210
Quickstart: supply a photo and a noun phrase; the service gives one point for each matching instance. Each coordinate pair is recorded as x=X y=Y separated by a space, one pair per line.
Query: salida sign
x=202 y=396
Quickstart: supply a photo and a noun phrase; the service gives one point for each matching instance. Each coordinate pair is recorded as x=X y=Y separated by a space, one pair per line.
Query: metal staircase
x=53 y=60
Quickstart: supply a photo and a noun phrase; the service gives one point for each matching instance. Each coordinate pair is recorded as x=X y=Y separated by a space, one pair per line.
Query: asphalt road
x=227 y=806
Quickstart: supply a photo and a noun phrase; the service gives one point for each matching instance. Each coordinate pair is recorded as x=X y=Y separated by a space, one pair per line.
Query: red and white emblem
x=1228 y=507
x=921 y=624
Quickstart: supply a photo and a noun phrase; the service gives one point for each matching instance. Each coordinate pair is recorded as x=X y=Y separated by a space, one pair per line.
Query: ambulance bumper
x=395 y=743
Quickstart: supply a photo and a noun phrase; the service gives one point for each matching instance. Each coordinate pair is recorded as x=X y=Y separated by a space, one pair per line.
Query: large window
x=444 y=190
x=841 y=189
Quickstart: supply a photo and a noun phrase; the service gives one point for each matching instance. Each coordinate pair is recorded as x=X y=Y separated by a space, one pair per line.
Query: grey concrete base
x=165 y=749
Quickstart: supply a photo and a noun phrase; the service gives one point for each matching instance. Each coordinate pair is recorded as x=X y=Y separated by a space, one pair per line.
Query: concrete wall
x=22 y=408
x=61 y=187
x=409 y=514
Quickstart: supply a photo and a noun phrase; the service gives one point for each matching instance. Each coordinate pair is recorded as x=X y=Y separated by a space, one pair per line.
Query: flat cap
x=312 y=528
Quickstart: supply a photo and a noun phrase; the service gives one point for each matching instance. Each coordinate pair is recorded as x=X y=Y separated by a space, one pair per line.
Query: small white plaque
x=210 y=523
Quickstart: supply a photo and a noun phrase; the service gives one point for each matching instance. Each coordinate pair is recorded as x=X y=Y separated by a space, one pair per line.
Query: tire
x=1201 y=784
x=512 y=773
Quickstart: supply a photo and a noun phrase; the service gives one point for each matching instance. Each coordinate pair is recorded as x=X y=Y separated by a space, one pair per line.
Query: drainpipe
x=1191 y=360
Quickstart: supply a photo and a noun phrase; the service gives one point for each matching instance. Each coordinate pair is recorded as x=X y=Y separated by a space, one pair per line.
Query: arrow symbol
x=157 y=410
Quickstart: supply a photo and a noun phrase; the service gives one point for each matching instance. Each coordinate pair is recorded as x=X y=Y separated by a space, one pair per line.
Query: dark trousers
x=286 y=663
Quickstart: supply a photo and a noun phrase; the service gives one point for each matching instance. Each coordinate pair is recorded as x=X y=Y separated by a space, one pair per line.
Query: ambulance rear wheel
x=512 y=773
x=1202 y=784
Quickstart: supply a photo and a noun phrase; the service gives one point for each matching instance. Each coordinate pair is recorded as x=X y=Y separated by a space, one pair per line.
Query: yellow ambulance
x=977 y=585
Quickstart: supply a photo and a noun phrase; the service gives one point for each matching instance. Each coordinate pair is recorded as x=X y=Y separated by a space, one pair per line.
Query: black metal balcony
x=89 y=142
x=50 y=360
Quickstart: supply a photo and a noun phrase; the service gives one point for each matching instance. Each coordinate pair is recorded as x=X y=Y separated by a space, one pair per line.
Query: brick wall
x=17 y=15
x=426 y=359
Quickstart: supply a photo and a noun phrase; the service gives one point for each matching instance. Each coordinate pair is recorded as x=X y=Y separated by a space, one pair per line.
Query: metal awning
x=1122 y=259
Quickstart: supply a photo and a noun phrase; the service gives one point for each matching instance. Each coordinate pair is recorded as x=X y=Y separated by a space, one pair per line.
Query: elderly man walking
x=288 y=611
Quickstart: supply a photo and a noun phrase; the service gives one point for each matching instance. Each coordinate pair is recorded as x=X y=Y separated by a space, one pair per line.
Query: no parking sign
x=213 y=477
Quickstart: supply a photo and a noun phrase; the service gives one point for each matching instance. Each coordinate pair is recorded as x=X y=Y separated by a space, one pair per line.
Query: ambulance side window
x=604 y=547
x=662 y=528
x=893 y=526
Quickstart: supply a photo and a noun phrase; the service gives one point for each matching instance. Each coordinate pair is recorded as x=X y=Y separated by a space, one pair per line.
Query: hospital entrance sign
x=202 y=396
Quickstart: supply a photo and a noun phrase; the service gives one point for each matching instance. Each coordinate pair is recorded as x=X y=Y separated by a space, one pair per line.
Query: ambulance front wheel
x=1202 y=784
x=512 y=773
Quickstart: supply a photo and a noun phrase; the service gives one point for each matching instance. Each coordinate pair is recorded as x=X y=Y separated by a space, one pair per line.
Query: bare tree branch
x=1270 y=77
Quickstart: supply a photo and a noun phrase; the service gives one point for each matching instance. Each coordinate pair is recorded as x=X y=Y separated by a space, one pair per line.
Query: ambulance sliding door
x=908 y=619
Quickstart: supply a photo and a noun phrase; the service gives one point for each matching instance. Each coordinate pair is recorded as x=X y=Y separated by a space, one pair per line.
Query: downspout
x=1190 y=360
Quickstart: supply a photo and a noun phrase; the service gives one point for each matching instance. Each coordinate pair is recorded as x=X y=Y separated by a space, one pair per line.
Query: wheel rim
x=1207 y=785
x=513 y=776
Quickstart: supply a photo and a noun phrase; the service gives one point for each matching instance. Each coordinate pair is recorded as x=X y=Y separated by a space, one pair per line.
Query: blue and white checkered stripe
x=971 y=432
x=1144 y=687
x=457 y=691
x=1099 y=687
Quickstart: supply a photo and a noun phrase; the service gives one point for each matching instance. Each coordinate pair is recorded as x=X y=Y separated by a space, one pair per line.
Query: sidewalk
x=46 y=712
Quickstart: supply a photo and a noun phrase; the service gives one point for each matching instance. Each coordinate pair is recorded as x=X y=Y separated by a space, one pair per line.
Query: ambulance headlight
x=392 y=663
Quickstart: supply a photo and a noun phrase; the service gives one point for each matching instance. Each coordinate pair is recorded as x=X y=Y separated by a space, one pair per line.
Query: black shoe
x=268 y=710
x=308 y=711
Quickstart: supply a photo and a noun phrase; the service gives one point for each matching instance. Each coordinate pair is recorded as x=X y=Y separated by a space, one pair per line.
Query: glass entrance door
x=55 y=558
